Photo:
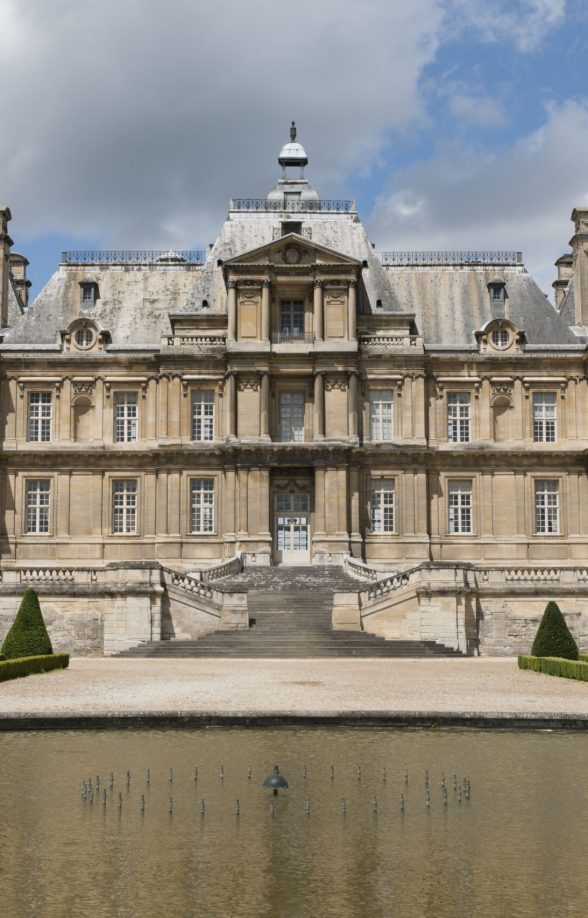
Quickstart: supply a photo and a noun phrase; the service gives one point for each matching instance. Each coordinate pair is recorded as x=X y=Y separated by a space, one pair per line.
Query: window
x=38 y=495
x=203 y=415
x=381 y=414
x=125 y=417
x=202 y=505
x=88 y=292
x=544 y=417
x=292 y=503
x=458 y=417
x=292 y=318
x=459 y=507
x=84 y=338
x=124 y=506
x=291 y=227
x=292 y=417
x=39 y=420
x=547 y=506
x=500 y=338
x=382 y=506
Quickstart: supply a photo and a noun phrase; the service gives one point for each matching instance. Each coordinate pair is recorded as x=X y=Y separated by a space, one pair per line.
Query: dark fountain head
x=275 y=781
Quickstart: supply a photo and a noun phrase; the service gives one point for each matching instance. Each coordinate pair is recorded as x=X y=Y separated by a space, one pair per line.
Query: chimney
x=18 y=269
x=579 y=244
x=5 y=243
x=565 y=269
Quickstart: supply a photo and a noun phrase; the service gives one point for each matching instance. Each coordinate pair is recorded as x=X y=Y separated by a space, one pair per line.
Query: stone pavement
x=485 y=686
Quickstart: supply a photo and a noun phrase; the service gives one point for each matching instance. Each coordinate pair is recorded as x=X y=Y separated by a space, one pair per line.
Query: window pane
x=124 y=506
x=292 y=317
x=382 y=506
x=39 y=419
x=38 y=493
x=547 y=506
x=458 y=417
x=544 y=417
x=202 y=504
x=292 y=417
x=459 y=506
x=381 y=408
x=203 y=415
x=125 y=417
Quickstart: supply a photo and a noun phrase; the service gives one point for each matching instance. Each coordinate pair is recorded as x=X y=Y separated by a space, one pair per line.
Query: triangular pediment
x=291 y=250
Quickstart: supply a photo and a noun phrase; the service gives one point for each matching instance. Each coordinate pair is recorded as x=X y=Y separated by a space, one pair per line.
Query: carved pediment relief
x=291 y=250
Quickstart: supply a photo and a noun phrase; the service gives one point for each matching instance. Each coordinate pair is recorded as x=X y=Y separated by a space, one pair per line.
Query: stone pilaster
x=318 y=319
x=319 y=406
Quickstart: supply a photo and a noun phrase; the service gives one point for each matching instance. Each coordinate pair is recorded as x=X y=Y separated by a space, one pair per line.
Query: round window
x=500 y=338
x=84 y=337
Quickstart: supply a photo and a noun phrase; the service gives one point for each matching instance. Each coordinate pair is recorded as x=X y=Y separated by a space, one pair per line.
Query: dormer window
x=497 y=291
x=84 y=337
x=88 y=292
x=500 y=338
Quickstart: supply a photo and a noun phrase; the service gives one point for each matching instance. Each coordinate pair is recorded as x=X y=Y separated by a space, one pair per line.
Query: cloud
x=136 y=121
x=463 y=198
x=526 y=23
x=477 y=110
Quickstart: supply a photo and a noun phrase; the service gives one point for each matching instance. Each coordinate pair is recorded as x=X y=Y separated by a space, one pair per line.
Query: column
x=351 y=304
x=265 y=406
x=231 y=405
x=265 y=309
x=354 y=511
x=264 y=503
x=228 y=503
x=319 y=406
x=342 y=497
x=161 y=526
x=318 y=310
x=232 y=310
x=319 y=501
x=352 y=404
x=243 y=496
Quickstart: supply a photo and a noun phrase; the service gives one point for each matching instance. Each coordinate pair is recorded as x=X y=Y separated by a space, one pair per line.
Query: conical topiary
x=554 y=638
x=28 y=636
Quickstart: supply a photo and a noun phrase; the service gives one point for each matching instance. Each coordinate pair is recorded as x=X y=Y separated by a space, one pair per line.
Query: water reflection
x=515 y=848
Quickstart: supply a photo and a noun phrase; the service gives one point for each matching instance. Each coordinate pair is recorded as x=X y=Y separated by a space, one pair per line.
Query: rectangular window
x=459 y=509
x=383 y=506
x=38 y=498
x=203 y=415
x=125 y=417
x=544 y=417
x=202 y=505
x=39 y=419
x=381 y=414
x=458 y=417
x=292 y=318
x=292 y=417
x=547 y=506
x=124 y=506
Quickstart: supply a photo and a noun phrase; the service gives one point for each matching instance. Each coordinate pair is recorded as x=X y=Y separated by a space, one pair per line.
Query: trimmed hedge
x=554 y=638
x=583 y=657
x=28 y=635
x=26 y=666
x=556 y=666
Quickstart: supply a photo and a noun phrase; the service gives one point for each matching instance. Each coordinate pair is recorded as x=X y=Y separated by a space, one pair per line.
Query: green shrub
x=554 y=638
x=28 y=636
x=26 y=666
x=583 y=657
x=556 y=666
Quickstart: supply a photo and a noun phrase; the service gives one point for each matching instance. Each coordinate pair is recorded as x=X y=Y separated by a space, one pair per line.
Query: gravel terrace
x=109 y=686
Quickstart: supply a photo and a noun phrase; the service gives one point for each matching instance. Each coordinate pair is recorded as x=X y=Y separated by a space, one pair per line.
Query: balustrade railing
x=292 y=337
x=292 y=205
x=387 y=342
x=226 y=569
x=188 y=583
x=143 y=257
x=47 y=575
x=201 y=342
x=402 y=259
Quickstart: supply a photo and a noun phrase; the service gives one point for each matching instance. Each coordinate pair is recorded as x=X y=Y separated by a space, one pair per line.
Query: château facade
x=293 y=397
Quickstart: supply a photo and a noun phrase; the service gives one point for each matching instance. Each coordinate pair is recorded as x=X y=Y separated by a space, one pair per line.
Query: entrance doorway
x=292 y=529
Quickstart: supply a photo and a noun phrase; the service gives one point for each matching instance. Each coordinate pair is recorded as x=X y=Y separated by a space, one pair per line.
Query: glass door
x=292 y=529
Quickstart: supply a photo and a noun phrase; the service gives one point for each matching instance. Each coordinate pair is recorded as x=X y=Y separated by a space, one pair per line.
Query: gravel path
x=107 y=686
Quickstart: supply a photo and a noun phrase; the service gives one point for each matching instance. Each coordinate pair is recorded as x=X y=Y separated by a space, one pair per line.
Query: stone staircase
x=290 y=616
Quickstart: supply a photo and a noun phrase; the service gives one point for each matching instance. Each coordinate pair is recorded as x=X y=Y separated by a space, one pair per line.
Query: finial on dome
x=293 y=132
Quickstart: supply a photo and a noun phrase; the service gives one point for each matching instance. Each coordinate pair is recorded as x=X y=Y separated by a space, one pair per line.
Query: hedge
x=26 y=666
x=583 y=657
x=28 y=635
x=556 y=666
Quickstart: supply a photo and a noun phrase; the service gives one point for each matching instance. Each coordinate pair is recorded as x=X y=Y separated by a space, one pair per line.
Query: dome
x=292 y=154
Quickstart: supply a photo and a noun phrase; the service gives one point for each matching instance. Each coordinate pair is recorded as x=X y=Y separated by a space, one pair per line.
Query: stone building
x=292 y=397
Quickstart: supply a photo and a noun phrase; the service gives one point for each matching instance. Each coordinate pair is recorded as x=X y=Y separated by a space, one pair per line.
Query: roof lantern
x=293 y=154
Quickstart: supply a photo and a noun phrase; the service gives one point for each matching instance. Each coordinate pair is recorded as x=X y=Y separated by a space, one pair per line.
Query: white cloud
x=524 y=22
x=477 y=110
x=520 y=200
x=135 y=121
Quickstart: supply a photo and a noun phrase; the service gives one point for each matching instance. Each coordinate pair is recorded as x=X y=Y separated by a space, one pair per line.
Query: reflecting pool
x=359 y=832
